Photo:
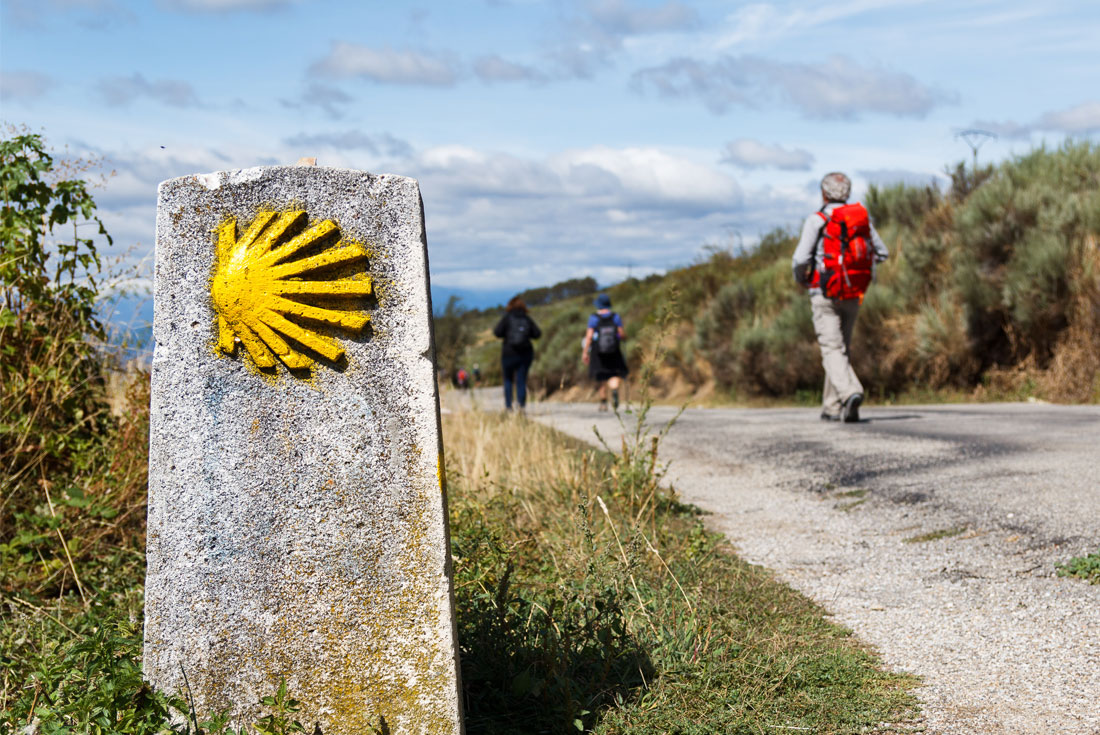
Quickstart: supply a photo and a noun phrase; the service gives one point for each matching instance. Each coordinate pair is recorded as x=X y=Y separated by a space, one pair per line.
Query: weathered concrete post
x=297 y=510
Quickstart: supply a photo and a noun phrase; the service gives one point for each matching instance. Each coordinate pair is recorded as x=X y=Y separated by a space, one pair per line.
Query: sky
x=551 y=140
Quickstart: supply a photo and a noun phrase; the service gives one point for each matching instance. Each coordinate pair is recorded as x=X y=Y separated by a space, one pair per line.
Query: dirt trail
x=931 y=531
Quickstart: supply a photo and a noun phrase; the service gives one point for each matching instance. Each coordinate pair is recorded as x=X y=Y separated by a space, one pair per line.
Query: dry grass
x=1074 y=374
x=492 y=454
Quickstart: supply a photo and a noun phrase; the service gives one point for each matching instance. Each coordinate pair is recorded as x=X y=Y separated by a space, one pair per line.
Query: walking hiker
x=602 y=352
x=835 y=259
x=516 y=329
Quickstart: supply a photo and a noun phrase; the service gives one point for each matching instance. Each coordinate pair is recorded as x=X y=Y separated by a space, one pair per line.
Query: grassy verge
x=590 y=599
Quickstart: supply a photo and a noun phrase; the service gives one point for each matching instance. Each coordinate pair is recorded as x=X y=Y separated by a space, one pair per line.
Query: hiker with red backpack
x=516 y=329
x=602 y=353
x=835 y=259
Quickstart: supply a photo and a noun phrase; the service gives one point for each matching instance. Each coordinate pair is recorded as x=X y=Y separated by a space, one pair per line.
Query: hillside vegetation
x=992 y=291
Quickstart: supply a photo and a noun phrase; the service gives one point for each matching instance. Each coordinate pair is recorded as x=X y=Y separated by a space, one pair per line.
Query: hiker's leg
x=614 y=384
x=830 y=399
x=508 y=372
x=840 y=381
x=848 y=311
x=521 y=382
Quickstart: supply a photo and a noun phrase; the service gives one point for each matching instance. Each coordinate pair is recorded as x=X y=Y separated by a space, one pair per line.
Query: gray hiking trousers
x=833 y=323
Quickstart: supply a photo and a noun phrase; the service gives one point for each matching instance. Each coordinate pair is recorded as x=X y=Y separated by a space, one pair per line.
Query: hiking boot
x=849 y=412
x=603 y=406
x=826 y=416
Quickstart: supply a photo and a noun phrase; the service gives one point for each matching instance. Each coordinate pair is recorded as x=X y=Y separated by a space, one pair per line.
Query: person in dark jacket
x=516 y=329
x=601 y=350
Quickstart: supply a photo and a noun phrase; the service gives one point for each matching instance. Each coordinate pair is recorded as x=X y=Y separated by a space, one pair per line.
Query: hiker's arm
x=535 y=331
x=619 y=324
x=587 y=344
x=881 y=253
x=802 y=262
x=498 y=330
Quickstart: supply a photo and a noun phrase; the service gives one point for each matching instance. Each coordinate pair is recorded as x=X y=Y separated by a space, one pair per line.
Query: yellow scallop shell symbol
x=262 y=283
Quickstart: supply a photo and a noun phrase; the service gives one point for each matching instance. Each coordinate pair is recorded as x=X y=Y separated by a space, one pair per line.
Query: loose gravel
x=932 y=532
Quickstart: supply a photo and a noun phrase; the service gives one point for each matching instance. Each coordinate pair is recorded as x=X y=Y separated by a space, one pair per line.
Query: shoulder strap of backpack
x=820 y=230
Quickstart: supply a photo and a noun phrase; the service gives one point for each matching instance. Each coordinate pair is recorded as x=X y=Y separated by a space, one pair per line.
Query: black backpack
x=518 y=332
x=607 y=334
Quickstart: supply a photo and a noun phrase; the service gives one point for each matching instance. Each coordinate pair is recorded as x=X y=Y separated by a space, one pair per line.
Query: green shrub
x=53 y=411
x=901 y=205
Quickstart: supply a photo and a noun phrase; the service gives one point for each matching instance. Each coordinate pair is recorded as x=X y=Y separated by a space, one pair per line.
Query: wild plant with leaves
x=52 y=405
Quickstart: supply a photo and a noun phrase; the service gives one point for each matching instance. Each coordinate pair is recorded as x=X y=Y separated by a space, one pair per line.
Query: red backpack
x=847 y=262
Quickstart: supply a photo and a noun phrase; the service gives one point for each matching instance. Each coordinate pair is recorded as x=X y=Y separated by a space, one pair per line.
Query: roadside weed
x=1086 y=567
x=936 y=535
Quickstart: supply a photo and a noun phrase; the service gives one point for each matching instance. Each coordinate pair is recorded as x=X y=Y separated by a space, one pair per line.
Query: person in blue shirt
x=602 y=351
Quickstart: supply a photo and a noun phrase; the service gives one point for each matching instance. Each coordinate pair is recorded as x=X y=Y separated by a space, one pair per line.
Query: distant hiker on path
x=835 y=259
x=517 y=330
x=602 y=353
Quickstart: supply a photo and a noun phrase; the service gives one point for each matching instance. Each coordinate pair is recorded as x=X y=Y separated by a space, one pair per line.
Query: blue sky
x=551 y=139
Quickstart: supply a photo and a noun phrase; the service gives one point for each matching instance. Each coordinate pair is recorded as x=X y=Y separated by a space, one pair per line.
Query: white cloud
x=533 y=220
x=1082 y=119
x=623 y=19
x=1003 y=129
x=330 y=99
x=467 y=174
x=348 y=60
x=578 y=212
x=652 y=177
x=377 y=144
x=223 y=6
x=766 y=22
x=493 y=68
x=838 y=88
x=1079 y=119
x=121 y=91
x=590 y=41
x=751 y=154
x=23 y=85
x=892 y=176
x=841 y=88
x=91 y=14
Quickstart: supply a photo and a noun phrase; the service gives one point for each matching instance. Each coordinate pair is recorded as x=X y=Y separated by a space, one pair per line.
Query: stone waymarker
x=297 y=515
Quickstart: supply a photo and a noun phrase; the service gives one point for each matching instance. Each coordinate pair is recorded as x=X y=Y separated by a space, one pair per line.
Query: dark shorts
x=603 y=367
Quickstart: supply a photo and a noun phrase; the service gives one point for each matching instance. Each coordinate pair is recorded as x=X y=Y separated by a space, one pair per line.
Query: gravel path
x=1002 y=644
